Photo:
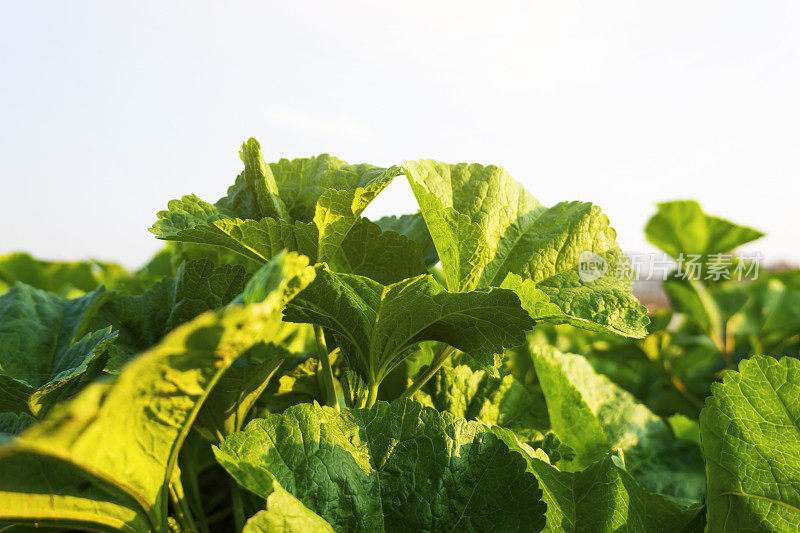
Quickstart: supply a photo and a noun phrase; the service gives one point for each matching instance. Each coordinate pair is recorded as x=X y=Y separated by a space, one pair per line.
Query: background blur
x=110 y=110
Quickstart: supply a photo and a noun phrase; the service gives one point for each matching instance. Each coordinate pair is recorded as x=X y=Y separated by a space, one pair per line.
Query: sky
x=108 y=109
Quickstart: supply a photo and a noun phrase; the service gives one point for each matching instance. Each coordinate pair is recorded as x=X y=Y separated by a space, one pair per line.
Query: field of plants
x=285 y=364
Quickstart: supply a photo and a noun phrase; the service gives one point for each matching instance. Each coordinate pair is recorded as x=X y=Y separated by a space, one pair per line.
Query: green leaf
x=255 y=193
x=339 y=210
x=773 y=307
x=285 y=514
x=186 y=214
x=303 y=183
x=619 y=310
x=592 y=415
x=601 y=498
x=685 y=428
x=486 y=226
x=202 y=281
x=226 y=409
x=12 y=424
x=228 y=406
x=720 y=302
x=394 y=467
x=15 y=395
x=413 y=227
x=385 y=257
x=69 y=279
x=304 y=382
x=750 y=430
x=144 y=319
x=190 y=220
x=376 y=326
x=685 y=299
x=681 y=227
x=271 y=278
x=307 y=205
x=102 y=460
x=355 y=390
x=161 y=265
x=477 y=395
x=46 y=344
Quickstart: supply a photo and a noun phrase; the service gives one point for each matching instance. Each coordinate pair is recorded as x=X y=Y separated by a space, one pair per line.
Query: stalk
x=372 y=397
x=717 y=332
x=184 y=514
x=239 y=517
x=327 y=371
x=438 y=361
x=191 y=493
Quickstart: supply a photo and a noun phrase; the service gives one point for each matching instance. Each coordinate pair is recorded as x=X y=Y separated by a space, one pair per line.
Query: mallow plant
x=286 y=364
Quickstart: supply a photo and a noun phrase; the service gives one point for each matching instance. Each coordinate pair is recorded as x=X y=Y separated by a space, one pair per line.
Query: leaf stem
x=438 y=361
x=327 y=371
x=717 y=332
x=191 y=493
x=184 y=514
x=239 y=517
x=372 y=397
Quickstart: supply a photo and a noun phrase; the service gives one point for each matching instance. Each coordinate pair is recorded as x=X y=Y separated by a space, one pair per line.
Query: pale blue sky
x=110 y=109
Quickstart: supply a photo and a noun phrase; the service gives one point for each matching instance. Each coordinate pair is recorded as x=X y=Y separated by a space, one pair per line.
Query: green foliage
x=477 y=395
x=377 y=326
x=681 y=227
x=750 y=430
x=311 y=205
x=126 y=435
x=603 y=497
x=397 y=467
x=69 y=279
x=47 y=344
x=285 y=364
x=142 y=320
x=592 y=416
x=487 y=227
x=285 y=513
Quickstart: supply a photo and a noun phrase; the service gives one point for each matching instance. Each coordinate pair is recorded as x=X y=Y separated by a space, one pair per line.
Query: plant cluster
x=286 y=364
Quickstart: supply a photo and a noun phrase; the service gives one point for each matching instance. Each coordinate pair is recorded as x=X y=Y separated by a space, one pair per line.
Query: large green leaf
x=46 y=344
x=377 y=325
x=601 y=498
x=750 y=431
x=309 y=205
x=103 y=459
x=394 y=467
x=486 y=226
x=681 y=227
x=592 y=415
